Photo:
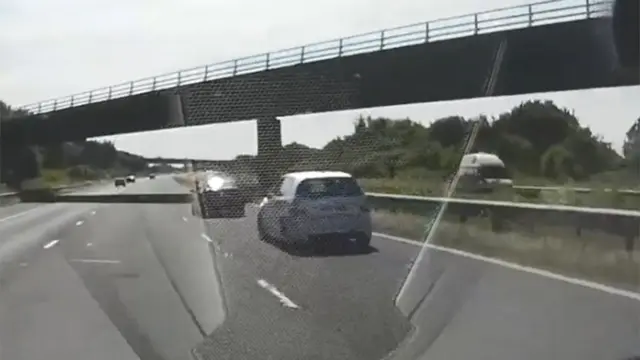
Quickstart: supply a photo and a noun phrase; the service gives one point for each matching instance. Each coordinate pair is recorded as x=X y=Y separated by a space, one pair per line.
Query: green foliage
x=83 y=172
x=77 y=160
x=536 y=139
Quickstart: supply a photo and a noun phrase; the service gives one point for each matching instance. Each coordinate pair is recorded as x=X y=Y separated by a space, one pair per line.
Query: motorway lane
x=23 y=225
x=107 y=290
x=474 y=308
x=99 y=287
x=342 y=298
x=42 y=302
x=466 y=306
x=133 y=259
x=114 y=271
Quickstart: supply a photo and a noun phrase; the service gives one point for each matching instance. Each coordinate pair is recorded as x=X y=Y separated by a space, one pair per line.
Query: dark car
x=131 y=179
x=152 y=176
x=120 y=182
x=218 y=195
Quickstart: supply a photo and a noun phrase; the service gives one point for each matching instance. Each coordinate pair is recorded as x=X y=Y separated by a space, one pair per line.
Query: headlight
x=264 y=201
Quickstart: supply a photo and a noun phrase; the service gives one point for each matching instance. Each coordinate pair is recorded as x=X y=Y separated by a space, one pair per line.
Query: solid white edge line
x=50 y=244
x=531 y=270
x=284 y=300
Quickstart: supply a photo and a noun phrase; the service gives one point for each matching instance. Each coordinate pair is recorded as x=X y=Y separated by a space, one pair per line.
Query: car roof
x=304 y=175
x=480 y=158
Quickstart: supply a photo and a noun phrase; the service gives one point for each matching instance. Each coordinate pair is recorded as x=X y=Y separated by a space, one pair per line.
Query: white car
x=311 y=205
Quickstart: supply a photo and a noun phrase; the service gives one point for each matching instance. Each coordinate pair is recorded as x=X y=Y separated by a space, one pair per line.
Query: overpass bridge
x=546 y=46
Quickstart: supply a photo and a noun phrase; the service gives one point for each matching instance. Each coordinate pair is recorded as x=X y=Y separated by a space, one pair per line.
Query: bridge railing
x=516 y=17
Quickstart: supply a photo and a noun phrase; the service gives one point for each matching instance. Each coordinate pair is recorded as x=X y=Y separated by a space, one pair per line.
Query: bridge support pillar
x=269 y=146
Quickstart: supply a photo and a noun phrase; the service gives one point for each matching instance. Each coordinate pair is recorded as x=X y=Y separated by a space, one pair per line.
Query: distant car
x=120 y=182
x=218 y=195
x=315 y=205
x=152 y=176
x=483 y=172
x=131 y=178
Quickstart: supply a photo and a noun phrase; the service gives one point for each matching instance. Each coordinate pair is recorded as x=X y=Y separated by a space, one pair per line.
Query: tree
x=82 y=158
x=535 y=138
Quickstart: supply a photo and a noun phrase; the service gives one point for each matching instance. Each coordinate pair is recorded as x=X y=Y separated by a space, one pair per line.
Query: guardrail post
x=179 y=78
x=90 y=97
x=530 y=8
x=267 y=62
x=340 y=48
x=475 y=24
x=426 y=32
x=55 y=105
x=71 y=101
x=206 y=73
x=382 y=40
x=235 y=67
x=302 y=55
x=153 y=84
x=497 y=218
x=109 y=95
x=39 y=108
x=131 y=88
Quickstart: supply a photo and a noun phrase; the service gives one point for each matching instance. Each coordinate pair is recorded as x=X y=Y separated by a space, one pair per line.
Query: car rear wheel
x=262 y=232
x=363 y=241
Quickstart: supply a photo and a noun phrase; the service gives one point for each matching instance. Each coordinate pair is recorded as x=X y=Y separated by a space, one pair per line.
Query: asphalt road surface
x=128 y=281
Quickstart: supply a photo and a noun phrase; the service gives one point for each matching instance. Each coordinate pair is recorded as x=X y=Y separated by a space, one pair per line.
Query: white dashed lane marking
x=284 y=300
x=51 y=244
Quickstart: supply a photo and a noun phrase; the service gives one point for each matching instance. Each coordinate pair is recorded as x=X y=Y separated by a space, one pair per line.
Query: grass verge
x=599 y=197
x=595 y=257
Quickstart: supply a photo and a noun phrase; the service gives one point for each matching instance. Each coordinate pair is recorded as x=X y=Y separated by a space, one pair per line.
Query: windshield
x=153 y=155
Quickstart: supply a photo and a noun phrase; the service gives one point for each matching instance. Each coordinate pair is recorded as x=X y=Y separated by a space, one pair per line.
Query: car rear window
x=494 y=172
x=328 y=187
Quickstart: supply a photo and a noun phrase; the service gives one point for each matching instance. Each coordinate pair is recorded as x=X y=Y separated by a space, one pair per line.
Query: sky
x=61 y=47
